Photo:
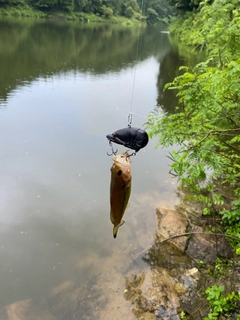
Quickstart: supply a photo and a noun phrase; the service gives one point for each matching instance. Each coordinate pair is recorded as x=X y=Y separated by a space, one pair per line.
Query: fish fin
x=115 y=228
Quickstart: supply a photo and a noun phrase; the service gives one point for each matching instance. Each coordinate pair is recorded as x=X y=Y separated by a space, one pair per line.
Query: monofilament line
x=134 y=75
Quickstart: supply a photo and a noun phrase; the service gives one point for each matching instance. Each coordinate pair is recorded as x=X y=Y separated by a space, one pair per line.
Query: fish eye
x=119 y=172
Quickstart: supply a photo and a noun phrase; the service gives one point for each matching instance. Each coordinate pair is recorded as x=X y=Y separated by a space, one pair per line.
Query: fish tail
x=115 y=229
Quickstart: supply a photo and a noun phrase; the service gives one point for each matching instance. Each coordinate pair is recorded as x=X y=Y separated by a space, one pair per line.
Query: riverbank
x=27 y=11
x=194 y=272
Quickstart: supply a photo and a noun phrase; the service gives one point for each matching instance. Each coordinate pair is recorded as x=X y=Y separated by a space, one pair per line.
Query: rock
x=174 y=284
x=207 y=248
x=191 y=277
x=153 y=295
x=172 y=223
x=148 y=316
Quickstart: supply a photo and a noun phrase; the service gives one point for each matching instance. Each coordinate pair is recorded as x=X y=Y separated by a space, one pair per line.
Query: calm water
x=63 y=87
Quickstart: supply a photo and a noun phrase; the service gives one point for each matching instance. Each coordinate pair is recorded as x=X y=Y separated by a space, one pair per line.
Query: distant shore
x=27 y=11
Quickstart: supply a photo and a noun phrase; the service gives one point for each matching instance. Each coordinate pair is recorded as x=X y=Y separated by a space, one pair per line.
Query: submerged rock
x=153 y=293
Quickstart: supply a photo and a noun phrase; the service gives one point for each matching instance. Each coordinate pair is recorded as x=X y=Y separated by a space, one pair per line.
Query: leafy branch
x=212 y=132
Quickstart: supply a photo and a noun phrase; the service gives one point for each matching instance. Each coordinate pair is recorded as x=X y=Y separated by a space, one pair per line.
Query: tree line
x=153 y=11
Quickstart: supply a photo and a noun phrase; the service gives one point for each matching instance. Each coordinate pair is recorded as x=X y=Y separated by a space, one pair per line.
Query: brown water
x=63 y=87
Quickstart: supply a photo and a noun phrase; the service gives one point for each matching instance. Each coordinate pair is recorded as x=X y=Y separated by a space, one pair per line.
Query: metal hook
x=113 y=152
x=130 y=155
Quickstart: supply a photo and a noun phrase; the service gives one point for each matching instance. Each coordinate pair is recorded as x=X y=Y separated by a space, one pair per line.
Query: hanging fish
x=133 y=138
x=120 y=189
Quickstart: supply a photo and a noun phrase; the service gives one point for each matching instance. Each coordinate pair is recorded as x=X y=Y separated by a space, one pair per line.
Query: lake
x=63 y=87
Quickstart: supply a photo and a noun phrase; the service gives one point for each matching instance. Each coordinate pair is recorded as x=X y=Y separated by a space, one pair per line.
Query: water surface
x=63 y=87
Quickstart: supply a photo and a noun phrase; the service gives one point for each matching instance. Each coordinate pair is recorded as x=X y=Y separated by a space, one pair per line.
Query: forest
x=152 y=11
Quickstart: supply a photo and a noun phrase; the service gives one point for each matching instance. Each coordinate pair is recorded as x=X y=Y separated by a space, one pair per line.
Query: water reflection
x=65 y=86
x=169 y=69
x=43 y=48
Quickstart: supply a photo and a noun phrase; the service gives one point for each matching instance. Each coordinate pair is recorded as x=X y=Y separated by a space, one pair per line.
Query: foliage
x=129 y=12
x=185 y=4
x=231 y=221
x=152 y=16
x=157 y=11
x=105 y=8
x=107 y=12
x=206 y=125
x=232 y=216
x=220 y=268
x=152 y=11
x=219 y=303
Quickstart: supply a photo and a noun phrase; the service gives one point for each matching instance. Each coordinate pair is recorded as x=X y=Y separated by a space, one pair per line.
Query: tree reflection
x=169 y=69
x=32 y=49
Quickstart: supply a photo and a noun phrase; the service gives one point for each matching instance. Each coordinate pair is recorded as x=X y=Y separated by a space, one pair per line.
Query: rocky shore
x=183 y=265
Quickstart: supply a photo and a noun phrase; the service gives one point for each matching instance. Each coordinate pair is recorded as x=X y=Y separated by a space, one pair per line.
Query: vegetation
x=204 y=128
x=153 y=11
x=206 y=124
x=186 y=4
x=219 y=303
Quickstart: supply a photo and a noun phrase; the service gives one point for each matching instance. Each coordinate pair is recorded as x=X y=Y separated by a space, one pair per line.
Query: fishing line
x=134 y=75
x=132 y=138
x=139 y=115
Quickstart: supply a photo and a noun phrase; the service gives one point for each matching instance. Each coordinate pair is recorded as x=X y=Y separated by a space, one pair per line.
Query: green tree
x=93 y=6
x=106 y=11
x=152 y=16
x=80 y=4
x=126 y=4
x=185 y=4
x=157 y=11
x=11 y=2
x=116 y=6
x=206 y=125
x=67 y=5
x=46 y=4
x=129 y=12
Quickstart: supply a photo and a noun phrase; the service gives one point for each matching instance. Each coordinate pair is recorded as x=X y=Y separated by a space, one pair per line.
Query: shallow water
x=64 y=86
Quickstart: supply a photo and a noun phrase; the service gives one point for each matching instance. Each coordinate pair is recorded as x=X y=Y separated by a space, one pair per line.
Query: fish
x=120 y=189
x=133 y=138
